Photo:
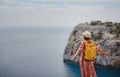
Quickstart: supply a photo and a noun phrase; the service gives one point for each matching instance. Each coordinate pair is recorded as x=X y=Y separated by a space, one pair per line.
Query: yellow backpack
x=90 y=51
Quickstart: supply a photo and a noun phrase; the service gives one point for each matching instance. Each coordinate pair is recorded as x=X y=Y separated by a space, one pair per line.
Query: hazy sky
x=57 y=12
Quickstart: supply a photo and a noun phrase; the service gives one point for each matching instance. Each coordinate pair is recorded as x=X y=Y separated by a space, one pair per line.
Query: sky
x=16 y=13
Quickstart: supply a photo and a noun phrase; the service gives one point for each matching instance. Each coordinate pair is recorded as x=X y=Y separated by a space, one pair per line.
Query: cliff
x=105 y=35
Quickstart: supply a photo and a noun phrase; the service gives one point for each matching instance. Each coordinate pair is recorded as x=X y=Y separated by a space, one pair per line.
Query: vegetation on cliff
x=110 y=25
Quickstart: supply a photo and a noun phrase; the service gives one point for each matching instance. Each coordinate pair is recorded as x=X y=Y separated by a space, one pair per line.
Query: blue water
x=38 y=52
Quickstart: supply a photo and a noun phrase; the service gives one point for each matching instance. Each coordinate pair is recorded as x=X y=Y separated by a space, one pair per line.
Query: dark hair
x=86 y=38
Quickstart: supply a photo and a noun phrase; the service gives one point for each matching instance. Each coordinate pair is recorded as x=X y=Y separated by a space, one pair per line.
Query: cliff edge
x=105 y=34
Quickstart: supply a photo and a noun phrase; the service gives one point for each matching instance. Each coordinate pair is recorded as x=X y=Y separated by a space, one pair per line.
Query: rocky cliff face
x=106 y=37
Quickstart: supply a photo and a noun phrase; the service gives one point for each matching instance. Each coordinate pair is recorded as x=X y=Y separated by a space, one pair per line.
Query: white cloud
x=24 y=3
x=116 y=10
x=76 y=0
x=31 y=13
x=13 y=1
x=102 y=0
x=8 y=1
x=2 y=7
x=16 y=5
x=25 y=7
x=72 y=8
x=51 y=7
x=48 y=5
x=5 y=7
x=54 y=9
x=78 y=8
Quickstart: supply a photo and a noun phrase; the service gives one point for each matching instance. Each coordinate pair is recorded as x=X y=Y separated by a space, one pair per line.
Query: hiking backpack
x=90 y=51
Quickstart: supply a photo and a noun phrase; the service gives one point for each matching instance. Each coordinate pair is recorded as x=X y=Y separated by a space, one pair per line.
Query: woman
x=86 y=66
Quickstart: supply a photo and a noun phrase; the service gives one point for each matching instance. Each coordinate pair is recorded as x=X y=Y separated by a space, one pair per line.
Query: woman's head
x=86 y=35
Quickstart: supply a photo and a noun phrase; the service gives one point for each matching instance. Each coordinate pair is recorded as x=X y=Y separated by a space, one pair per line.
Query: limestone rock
x=104 y=36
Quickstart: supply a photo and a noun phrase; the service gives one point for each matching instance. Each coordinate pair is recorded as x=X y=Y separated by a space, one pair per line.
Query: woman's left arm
x=103 y=52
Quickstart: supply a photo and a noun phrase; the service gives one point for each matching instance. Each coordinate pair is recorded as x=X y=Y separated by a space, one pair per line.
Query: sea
x=38 y=52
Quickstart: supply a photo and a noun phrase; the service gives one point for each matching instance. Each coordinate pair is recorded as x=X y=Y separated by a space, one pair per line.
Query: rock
x=116 y=63
x=104 y=36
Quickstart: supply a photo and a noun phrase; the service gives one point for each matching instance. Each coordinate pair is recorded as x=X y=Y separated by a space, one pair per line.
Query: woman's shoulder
x=83 y=42
x=88 y=42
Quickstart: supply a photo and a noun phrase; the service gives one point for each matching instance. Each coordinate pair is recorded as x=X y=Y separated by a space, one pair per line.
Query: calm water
x=37 y=52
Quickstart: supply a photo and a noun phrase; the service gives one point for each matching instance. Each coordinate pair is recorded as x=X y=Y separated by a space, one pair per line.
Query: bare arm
x=103 y=52
x=77 y=52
